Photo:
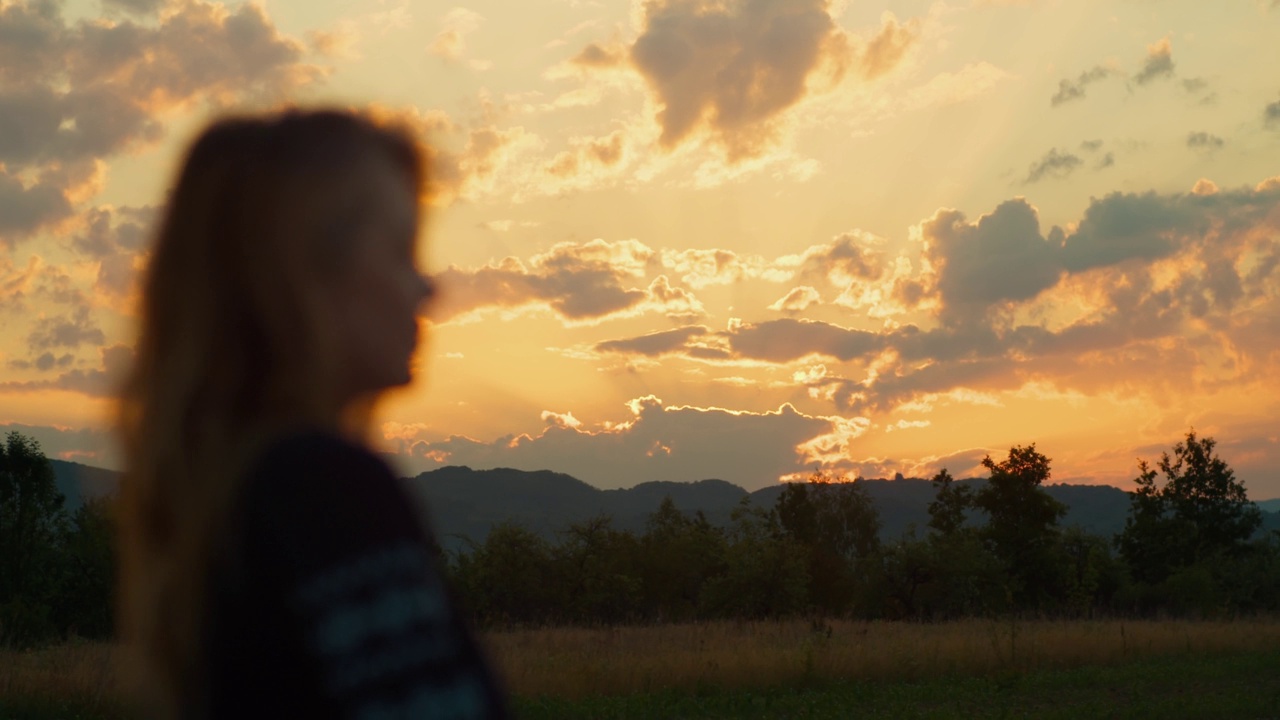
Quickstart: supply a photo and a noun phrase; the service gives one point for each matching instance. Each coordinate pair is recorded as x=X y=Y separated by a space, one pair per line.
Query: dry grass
x=80 y=670
x=575 y=663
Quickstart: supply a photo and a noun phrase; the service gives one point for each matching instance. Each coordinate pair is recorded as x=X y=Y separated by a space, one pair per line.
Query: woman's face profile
x=378 y=293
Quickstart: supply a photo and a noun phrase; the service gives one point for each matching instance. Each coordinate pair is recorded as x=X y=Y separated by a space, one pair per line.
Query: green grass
x=1235 y=685
x=1238 y=686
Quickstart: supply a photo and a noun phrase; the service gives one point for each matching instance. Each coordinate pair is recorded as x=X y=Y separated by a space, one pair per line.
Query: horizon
x=860 y=237
x=744 y=488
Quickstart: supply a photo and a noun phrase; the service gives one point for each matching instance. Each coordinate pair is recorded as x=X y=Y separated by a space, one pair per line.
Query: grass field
x=996 y=669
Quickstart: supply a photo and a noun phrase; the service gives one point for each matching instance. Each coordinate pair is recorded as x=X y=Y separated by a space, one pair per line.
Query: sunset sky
x=686 y=239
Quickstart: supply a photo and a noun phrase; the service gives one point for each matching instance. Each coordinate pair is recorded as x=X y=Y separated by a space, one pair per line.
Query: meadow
x=813 y=669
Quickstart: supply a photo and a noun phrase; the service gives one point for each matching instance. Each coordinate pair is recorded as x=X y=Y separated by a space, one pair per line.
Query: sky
x=690 y=239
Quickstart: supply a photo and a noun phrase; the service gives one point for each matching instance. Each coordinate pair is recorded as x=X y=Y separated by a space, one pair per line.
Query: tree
x=1200 y=514
x=949 y=508
x=598 y=568
x=32 y=520
x=678 y=555
x=765 y=573
x=86 y=596
x=505 y=579
x=1022 y=524
x=837 y=524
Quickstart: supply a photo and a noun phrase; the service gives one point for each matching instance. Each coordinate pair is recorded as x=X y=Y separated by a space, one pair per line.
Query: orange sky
x=683 y=239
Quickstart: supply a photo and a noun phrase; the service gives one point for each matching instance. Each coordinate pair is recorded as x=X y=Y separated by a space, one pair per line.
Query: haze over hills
x=463 y=504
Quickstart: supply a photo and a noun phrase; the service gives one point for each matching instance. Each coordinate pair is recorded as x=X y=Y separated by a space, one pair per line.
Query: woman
x=271 y=565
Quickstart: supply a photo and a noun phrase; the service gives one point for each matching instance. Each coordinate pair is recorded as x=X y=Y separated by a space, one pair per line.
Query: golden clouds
x=731 y=69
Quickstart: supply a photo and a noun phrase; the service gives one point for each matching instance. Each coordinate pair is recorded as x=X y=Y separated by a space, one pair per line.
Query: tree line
x=1191 y=546
x=57 y=568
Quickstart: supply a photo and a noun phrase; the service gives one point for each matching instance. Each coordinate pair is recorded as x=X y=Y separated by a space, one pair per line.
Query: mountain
x=463 y=504
x=79 y=483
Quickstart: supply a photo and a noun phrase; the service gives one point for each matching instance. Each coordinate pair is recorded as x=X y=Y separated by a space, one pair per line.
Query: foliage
x=835 y=525
x=32 y=522
x=1022 y=525
x=992 y=548
x=1199 y=517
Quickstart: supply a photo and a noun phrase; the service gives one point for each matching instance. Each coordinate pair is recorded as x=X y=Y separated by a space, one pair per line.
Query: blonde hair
x=233 y=351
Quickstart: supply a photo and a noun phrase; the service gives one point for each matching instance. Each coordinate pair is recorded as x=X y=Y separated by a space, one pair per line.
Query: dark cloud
x=786 y=339
x=1105 y=161
x=69 y=331
x=98 y=382
x=732 y=69
x=1075 y=89
x=1120 y=227
x=1003 y=257
x=657 y=442
x=1171 y=277
x=26 y=208
x=580 y=282
x=74 y=93
x=656 y=343
x=1091 y=145
x=140 y=7
x=1054 y=164
x=1271 y=115
x=1204 y=141
x=1158 y=64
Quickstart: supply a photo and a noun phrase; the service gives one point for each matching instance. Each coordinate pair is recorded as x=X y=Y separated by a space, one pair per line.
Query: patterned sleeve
x=357 y=579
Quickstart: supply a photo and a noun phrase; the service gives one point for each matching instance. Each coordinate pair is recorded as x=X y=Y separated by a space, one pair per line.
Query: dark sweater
x=327 y=601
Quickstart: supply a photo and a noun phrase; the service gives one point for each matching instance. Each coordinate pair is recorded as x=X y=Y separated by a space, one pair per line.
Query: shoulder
x=317 y=483
x=317 y=452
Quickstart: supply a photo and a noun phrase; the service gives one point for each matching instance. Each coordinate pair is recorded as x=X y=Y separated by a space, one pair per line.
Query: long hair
x=233 y=350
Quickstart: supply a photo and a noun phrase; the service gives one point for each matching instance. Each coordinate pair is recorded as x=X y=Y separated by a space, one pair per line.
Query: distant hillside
x=465 y=503
x=78 y=483
x=462 y=502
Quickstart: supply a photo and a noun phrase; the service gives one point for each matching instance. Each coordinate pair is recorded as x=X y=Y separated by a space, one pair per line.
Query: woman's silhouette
x=271 y=564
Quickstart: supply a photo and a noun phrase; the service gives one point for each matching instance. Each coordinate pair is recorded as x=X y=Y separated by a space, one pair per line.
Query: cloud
x=1141 y=280
x=26 y=208
x=656 y=442
x=787 y=339
x=888 y=47
x=1204 y=141
x=580 y=282
x=1158 y=64
x=1002 y=257
x=597 y=56
x=731 y=70
x=451 y=42
x=1271 y=115
x=797 y=300
x=73 y=93
x=656 y=343
x=1069 y=90
x=466 y=160
x=70 y=331
x=588 y=158
x=1054 y=164
x=139 y=7
x=97 y=382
